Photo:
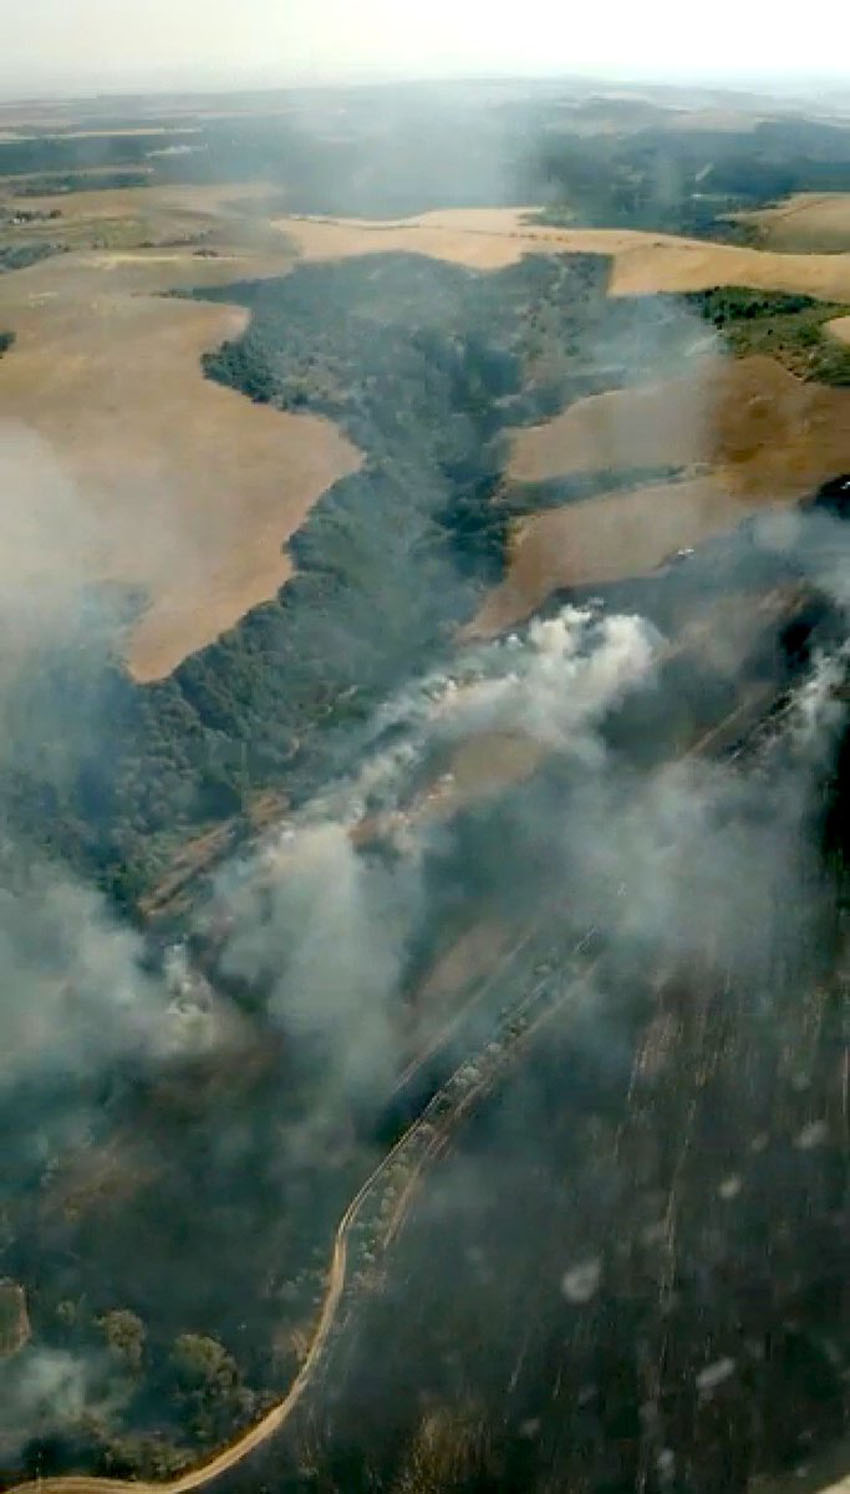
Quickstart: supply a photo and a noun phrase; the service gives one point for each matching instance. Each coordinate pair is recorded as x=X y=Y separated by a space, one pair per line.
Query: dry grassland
x=840 y=328
x=181 y=487
x=815 y=222
x=188 y=491
x=642 y=263
x=758 y=435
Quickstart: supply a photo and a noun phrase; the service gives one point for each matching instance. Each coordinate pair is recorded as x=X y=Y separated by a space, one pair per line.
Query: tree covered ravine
x=425 y=365
x=172 y=1219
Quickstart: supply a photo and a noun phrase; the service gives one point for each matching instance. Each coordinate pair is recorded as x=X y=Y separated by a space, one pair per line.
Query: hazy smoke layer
x=73 y=993
x=685 y=862
x=326 y=928
x=691 y=859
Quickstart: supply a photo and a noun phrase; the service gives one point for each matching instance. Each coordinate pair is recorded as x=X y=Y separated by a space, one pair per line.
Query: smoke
x=45 y=1392
x=325 y=935
x=817 y=712
x=74 y=994
x=554 y=684
x=49 y=538
x=326 y=928
x=690 y=859
x=330 y=921
x=694 y=861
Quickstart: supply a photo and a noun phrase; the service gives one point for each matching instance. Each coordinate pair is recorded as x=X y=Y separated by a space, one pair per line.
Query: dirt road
x=423 y=1141
x=428 y=1131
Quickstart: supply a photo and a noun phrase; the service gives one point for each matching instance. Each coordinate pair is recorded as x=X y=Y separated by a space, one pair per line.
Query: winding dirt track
x=204 y=1473
x=236 y=1452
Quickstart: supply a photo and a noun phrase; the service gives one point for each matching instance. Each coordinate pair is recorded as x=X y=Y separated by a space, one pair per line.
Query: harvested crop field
x=187 y=492
x=808 y=222
x=643 y=263
x=758 y=436
x=604 y=539
x=143 y=471
x=767 y=433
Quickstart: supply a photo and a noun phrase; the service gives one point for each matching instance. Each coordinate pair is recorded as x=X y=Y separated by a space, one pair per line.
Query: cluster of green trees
x=20 y=256
x=790 y=328
x=424 y=365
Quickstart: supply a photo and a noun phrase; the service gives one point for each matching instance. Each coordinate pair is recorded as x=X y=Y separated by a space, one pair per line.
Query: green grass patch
x=789 y=328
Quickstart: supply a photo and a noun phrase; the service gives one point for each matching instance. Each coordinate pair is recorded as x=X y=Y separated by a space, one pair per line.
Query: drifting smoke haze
x=675 y=854
x=47 y=1389
x=329 y=930
x=75 y=997
x=228 y=1077
x=689 y=860
x=330 y=944
x=74 y=994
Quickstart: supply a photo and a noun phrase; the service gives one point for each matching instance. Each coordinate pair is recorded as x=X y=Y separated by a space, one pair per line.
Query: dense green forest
x=687 y=181
x=792 y=329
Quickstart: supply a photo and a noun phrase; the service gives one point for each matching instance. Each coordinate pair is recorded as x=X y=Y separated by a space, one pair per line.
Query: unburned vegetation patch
x=793 y=329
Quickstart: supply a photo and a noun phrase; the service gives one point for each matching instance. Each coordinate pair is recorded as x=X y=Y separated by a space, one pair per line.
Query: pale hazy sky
x=113 y=43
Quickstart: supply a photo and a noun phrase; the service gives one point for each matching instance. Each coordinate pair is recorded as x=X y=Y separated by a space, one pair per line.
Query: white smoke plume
x=48 y=1391
x=557 y=682
x=73 y=992
x=553 y=683
x=326 y=928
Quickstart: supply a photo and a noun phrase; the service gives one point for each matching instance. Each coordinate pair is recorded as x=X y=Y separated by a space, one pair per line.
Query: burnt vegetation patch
x=427 y=367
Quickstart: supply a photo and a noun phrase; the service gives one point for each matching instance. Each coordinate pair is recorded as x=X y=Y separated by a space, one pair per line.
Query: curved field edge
x=424 y=366
x=643 y=263
x=135 y=470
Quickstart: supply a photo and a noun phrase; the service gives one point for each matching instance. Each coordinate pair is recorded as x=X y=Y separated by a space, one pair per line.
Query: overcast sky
x=108 y=44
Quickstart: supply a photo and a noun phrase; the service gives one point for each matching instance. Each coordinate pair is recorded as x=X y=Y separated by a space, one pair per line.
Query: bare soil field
x=468 y=959
x=808 y=222
x=758 y=436
x=140 y=470
x=642 y=263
